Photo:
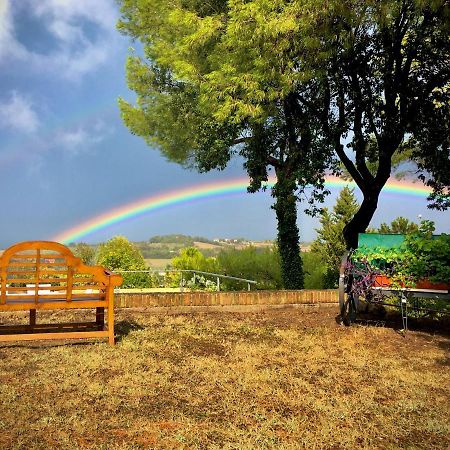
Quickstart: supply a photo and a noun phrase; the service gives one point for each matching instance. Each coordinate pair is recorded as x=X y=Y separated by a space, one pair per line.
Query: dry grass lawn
x=158 y=263
x=283 y=379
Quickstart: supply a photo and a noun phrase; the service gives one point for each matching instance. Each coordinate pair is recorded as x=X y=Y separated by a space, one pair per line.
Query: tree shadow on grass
x=393 y=319
x=445 y=361
x=44 y=345
x=425 y=324
x=121 y=330
x=125 y=327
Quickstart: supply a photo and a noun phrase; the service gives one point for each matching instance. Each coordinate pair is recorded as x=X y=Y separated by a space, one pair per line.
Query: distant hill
x=165 y=247
x=168 y=246
x=179 y=239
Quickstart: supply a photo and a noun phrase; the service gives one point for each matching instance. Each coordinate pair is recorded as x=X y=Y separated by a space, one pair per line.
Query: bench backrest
x=39 y=270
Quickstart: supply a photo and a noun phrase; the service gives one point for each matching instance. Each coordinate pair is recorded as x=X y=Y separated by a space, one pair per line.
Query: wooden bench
x=40 y=275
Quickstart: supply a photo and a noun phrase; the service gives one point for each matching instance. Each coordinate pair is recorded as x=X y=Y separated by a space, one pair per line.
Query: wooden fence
x=217 y=299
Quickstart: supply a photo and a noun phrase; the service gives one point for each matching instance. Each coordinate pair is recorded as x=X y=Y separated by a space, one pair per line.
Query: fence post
x=218 y=284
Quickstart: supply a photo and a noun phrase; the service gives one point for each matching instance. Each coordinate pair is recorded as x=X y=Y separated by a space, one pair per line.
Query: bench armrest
x=116 y=278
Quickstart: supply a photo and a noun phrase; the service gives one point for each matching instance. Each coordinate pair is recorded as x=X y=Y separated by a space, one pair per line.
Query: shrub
x=119 y=254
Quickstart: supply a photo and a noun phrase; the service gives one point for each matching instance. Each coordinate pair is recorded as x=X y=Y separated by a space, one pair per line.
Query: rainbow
x=201 y=192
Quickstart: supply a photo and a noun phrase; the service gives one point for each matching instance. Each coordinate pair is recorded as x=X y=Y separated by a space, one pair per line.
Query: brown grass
x=278 y=379
x=157 y=263
x=207 y=246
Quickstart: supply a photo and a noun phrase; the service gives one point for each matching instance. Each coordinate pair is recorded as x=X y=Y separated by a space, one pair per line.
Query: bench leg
x=32 y=317
x=100 y=318
x=111 y=323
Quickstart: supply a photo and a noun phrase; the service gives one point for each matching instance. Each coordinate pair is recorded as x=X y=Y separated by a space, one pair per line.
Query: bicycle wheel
x=347 y=301
x=349 y=310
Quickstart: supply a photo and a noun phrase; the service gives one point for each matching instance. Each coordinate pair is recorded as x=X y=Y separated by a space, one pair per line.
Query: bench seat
x=41 y=275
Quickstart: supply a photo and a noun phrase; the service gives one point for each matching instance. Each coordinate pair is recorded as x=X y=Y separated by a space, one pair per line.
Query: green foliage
x=421 y=256
x=261 y=266
x=120 y=254
x=283 y=83
x=191 y=258
x=400 y=225
x=86 y=252
x=172 y=238
x=158 y=251
x=186 y=241
x=330 y=243
x=315 y=271
x=211 y=87
x=431 y=254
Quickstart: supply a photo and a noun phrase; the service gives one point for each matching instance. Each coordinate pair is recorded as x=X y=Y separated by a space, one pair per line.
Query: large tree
x=386 y=88
x=296 y=86
x=189 y=106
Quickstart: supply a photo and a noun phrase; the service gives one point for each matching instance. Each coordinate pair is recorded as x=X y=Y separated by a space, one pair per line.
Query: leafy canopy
x=400 y=225
x=210 y=86
x=120 y=254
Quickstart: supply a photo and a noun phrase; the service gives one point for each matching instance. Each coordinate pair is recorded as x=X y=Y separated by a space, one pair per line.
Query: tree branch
x=271 y=160
x=241 y=140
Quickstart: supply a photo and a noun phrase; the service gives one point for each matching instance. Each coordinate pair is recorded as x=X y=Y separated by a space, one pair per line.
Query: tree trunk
x=360 y=220
x=288 y=236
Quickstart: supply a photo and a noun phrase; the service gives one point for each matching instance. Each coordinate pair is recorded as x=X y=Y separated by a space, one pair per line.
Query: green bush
x=317 y=275
x=251 y=264
x=119 y=254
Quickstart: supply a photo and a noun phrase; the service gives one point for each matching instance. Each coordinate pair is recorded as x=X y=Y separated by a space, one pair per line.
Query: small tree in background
x=120 y=254
x=315 y=270
x=330 y=243
x=191 y=258
x=85 y=252
x=261 y=266
x=400 y=225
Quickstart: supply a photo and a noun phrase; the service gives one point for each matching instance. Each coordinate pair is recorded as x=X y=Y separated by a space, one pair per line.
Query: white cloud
x=75 y=53
x=66 y=32
x=73 y=139
x=9 y=46
x=101 y=12
x=81 y=139
x=17 y=113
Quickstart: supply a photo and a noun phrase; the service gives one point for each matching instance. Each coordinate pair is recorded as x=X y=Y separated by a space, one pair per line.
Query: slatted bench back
x=39 y=271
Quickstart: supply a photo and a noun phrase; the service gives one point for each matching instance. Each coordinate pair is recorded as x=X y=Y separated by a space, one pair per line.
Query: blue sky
x=65 y=156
